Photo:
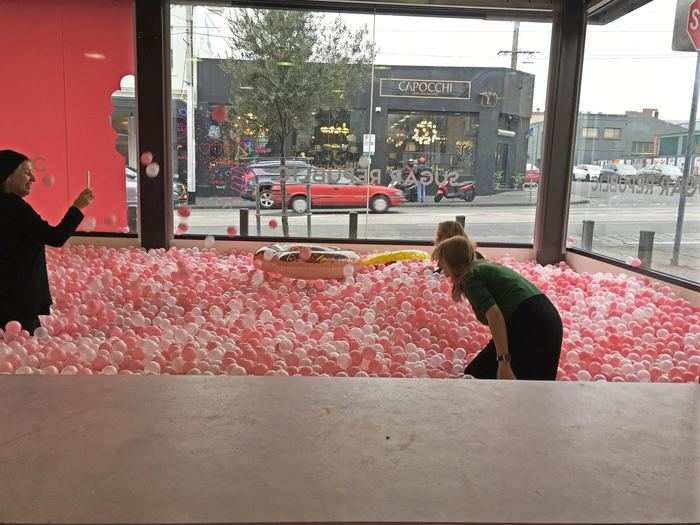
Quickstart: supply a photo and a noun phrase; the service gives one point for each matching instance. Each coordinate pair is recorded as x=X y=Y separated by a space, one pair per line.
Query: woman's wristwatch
x=505 y=358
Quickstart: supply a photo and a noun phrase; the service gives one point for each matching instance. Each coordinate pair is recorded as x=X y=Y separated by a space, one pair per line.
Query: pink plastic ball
x=13 y=328
x=146 y=158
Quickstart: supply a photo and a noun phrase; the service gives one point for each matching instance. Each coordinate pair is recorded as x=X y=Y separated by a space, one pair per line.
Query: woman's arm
x=499 y=332
x=41 y=231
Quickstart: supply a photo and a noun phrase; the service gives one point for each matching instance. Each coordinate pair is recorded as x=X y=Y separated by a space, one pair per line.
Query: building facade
x=604 y=137
x=469 y=121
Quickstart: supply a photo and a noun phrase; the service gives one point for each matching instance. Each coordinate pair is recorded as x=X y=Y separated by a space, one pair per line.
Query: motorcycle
x=461 y=190
x=408 y=189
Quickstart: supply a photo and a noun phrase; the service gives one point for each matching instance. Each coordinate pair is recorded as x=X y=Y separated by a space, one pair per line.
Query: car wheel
x=299 y=205
x=379 y=204
x=265 y=198
x=438 y=197
x=469 y=195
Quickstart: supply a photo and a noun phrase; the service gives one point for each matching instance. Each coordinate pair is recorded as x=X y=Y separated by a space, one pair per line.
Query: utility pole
x=514 y=51
x=191 y=65
x=688 y=167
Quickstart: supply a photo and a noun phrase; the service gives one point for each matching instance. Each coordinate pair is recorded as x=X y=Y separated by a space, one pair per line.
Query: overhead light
x=284 y=63
x=95 y=56
x=246 y=87
x=382 y=67
x=337 y=90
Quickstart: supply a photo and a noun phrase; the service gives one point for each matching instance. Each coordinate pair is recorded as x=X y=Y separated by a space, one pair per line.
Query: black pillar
x=485 y=172
x=152 y=89
x=563 y=87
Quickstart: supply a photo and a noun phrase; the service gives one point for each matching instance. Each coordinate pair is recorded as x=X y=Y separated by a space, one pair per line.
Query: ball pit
x=194 y=311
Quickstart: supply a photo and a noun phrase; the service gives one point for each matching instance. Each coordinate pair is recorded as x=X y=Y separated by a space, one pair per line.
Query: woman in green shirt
x=525 y=326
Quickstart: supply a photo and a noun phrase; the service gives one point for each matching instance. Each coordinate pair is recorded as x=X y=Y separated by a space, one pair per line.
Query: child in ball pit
x=448 y=229
x=525 y=326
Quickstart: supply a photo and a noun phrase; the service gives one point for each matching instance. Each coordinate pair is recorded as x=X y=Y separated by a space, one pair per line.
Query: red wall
x=55 y=102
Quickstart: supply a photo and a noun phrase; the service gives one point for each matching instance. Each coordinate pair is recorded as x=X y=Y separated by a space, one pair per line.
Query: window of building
x=589 y=133
x=385 y=106
x=643 y=147
x=612 y=133
x=621 y=207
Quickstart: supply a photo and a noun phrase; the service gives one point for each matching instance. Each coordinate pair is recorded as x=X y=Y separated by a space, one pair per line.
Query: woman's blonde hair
x=457 y=254
x=447 y=229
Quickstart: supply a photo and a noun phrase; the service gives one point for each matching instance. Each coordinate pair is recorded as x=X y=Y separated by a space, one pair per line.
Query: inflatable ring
x=392 y=257
x=303 y=261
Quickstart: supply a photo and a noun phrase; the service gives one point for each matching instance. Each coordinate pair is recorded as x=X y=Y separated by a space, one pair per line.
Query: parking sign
x=368 y=142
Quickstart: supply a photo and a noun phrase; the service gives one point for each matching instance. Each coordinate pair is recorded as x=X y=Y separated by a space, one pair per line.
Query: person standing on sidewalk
x=420 y=186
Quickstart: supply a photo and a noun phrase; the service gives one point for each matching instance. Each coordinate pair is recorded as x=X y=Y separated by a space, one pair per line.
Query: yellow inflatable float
x=395 y=256
x=300 y=261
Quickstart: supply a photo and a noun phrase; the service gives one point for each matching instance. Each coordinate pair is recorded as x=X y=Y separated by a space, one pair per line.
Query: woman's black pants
x=534 y=343
x=28 y=322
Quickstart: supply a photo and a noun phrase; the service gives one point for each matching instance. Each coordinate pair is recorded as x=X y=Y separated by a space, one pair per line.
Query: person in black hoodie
x=24 y=283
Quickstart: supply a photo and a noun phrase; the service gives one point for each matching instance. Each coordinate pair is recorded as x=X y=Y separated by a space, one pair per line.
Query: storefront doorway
x=445 y=141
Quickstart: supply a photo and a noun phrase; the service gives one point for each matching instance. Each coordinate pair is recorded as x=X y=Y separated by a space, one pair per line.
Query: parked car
x=532 y=178
x=659 y=172
x=587 y=172
x=342 y=192
x=179 y=189
x=621 y=171
x=242 y=178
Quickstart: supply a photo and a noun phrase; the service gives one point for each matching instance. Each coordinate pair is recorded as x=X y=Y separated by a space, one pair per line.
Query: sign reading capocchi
x=417 y=88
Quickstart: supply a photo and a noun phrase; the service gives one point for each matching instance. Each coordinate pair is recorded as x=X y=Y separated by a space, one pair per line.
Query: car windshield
x=293 y=171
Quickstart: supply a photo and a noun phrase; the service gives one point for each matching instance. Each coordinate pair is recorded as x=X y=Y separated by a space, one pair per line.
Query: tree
x=288 y=64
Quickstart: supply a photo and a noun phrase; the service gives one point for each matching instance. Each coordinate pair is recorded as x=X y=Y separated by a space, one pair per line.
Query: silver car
x=132 y=186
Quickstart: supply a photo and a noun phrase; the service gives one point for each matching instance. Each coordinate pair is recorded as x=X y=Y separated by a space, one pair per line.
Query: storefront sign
x=416 y=88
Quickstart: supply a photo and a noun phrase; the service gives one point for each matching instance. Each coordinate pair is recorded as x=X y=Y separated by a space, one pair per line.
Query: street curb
x=461 y=205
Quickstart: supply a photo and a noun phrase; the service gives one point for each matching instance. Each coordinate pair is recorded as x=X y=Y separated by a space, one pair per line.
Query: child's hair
x=448 y=229
x=457 y=254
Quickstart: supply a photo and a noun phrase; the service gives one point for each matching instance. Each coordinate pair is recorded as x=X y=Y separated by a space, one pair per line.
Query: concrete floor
x=293 y=450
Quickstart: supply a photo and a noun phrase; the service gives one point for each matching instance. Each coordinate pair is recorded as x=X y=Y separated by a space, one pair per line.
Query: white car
x=662 y=171
x=579 y=173
x=622 y=171
x=586 y=172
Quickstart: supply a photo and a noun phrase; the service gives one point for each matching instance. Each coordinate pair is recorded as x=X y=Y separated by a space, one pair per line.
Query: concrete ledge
x=220 y=450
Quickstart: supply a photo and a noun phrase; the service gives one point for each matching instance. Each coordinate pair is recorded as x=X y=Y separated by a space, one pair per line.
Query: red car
x=532 y=178
x=340 y=192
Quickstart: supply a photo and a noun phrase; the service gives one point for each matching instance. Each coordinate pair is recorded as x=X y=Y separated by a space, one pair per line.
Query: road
x=618 y=220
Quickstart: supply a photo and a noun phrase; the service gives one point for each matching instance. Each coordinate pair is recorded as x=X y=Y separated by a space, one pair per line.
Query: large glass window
x=627 y=184
x=385 y=122
x=68 y=93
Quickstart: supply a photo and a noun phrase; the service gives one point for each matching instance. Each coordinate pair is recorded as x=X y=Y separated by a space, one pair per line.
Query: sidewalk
x=508 y=198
